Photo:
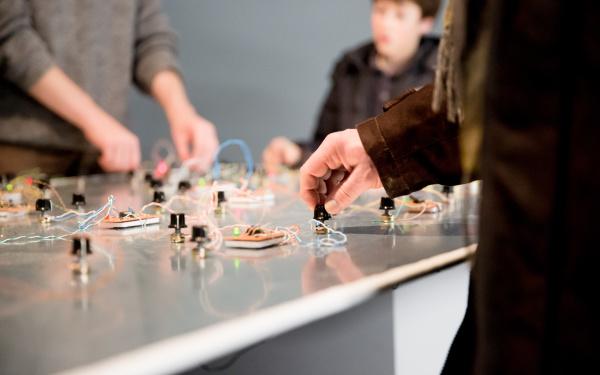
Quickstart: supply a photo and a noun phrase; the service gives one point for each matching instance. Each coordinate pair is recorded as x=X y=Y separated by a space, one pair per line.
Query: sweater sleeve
x=412 y=146
x=155 y=45
x=24 y=57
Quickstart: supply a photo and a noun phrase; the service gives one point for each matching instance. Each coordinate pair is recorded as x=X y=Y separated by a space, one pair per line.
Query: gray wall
x=256 y=69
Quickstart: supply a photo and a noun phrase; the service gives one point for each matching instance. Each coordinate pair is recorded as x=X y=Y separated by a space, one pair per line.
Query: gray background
x=256 y=69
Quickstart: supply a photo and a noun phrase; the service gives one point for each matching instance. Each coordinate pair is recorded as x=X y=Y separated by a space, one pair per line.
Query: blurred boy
x=364 y=79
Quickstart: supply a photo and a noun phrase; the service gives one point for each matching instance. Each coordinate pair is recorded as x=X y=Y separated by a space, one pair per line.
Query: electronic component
x=424 y=205
x=386 y=204
x=256 y=198
x=14 y=196
x=13 y=211
x=177 y=223
x=447 y=190
x=183 y=186
x=43 y=206
x=128 y=219
x=154 y=184
x=78 y=200
x=254 y=238
x=81 y=249
x=159 y=197
x=220 y=200
x=321 y=214
x=199 y=237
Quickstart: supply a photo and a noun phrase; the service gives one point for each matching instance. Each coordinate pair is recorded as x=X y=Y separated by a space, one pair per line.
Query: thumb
x=346 y=192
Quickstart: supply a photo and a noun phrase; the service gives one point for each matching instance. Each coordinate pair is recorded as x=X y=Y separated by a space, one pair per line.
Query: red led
x=162 y=167
x=29 y=181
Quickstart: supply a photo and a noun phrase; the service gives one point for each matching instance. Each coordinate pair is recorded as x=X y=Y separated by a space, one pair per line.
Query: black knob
x=156 y=184
x=447 y=190
x=177 y=221
x=77 y=245
x=148 y=177
x=159 y=197
x=9 y=176
x=184 y=185
x=43 y=183
x=321 y=213
x=43 y=205
x=78 y=200
x=220 y=197
x=387 y=204
x=199 y=233
x=126 y=214
x=415 y=199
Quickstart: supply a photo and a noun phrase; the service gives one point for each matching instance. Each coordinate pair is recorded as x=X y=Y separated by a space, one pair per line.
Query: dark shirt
x=359 y=89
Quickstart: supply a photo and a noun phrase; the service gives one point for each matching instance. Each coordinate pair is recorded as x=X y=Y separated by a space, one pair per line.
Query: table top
x=152 y=306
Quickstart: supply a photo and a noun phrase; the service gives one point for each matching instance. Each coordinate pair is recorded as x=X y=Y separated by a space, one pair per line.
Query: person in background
x=529 y=129
x=65 y=73
x=399 y=57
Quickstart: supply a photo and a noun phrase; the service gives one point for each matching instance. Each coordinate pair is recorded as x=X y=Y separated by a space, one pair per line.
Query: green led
x=236 y=232
x=201 y=181
x=9 y=187
x=237 y=264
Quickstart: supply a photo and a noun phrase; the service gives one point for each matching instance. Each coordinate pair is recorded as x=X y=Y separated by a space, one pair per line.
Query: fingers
x=182 y=143
x=318 y=169
x=346 y=191
x=121 y=156
x=281 y=151
x=270 y=156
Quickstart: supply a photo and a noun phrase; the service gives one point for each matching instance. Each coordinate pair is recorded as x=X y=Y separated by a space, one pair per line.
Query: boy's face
x=398 y=27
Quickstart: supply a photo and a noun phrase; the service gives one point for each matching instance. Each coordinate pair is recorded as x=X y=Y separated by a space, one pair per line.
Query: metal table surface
x=148 y=306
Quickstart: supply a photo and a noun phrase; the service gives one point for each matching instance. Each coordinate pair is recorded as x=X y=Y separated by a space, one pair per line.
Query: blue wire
x=247 y=157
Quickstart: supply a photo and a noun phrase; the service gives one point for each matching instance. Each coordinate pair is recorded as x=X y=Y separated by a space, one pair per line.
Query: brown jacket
x=533 y=305
x=411 y=145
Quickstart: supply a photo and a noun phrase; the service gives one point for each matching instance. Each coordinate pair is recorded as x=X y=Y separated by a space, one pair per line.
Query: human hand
x=120 y=148
x=338 y=172
x=190 y=129
x=281 y=151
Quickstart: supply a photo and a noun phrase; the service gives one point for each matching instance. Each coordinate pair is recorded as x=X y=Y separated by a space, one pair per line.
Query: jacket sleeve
x=24 y=56
x=155 y=45
x=412 y=146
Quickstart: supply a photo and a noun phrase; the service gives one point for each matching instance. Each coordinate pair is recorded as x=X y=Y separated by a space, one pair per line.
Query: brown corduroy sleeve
x=411 y=145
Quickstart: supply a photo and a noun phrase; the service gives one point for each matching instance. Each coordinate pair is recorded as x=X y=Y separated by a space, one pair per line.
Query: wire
x=247 y=157
x=83 y=225
x=231 y=361
x=329 y=240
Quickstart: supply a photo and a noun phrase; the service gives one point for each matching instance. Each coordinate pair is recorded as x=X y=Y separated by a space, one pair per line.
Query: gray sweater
x=103 y=46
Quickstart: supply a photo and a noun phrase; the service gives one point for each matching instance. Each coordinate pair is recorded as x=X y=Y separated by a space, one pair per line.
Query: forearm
x=168 y=90
x=56 y=91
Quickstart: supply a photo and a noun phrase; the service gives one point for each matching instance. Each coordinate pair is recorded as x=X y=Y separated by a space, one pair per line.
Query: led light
x=201 y=181
x=236 y=232
x=9 y=187
x=29 y=181
x=162 y=167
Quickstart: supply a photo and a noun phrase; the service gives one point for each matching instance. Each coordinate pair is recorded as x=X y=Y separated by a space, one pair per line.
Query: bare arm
x=120 y=148
x=187 y=127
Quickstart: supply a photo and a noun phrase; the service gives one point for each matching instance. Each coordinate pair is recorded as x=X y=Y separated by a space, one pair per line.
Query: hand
x=120 y=148
x=337 y=173
x=190 y=129
x=281 y=151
